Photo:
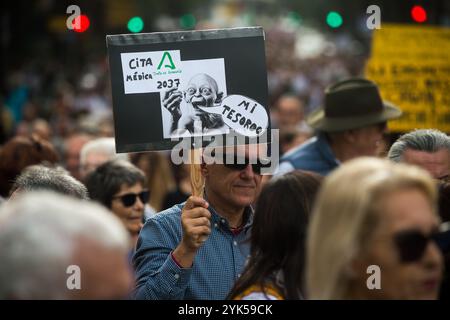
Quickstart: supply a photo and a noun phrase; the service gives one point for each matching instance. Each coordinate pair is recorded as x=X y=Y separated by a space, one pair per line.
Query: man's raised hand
x=195 y=221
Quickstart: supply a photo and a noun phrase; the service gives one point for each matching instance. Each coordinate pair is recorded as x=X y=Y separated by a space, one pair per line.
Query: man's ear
x=219 y=97
x=349 y=135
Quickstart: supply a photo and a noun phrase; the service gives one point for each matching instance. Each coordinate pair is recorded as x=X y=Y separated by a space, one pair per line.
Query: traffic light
x=80 y=23
x=418 y=14
x=135 y=24
x=188 y=21
x=334 y=19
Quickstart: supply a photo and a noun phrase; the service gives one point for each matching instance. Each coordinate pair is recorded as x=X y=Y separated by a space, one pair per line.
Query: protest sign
x=411 y=65
x=172 y=85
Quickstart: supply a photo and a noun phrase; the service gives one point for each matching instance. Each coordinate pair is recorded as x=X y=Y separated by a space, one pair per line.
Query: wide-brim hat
x=352 y=104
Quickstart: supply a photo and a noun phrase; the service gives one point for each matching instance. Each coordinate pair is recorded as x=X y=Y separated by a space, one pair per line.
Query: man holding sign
x=198 y=249
x=189 y=84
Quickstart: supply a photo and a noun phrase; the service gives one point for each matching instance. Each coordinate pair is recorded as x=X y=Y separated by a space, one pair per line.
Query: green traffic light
x=188 y=21
x=135 y=24
x=334 y=19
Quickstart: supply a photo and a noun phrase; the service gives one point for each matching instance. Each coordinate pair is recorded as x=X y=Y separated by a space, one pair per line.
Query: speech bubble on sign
x=242 y=114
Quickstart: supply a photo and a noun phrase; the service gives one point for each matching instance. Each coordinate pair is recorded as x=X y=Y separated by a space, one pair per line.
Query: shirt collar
x=325 y=148
x=247 y=217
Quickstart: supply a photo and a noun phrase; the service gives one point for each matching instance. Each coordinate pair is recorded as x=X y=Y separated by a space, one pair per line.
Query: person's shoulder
x=259 y=296
x=169 y=214
x=307 y=148
x=163 y=223
x=311 y=156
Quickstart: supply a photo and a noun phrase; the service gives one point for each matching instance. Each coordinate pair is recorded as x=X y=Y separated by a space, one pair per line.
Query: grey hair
x=427 y=140
x=39 y=233
x=39 y=177
x=106 y=146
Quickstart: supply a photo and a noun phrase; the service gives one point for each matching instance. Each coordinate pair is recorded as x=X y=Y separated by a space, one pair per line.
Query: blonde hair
x=345 y=217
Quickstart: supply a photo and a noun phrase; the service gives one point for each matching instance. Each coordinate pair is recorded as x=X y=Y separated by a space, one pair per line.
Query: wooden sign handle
x=197 y=179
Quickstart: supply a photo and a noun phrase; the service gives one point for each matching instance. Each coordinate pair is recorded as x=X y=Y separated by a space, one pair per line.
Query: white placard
x=242 y=114
x=155 y=71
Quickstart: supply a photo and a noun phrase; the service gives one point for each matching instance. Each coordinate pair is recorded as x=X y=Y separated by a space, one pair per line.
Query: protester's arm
x=195 y=222
x=157 y=274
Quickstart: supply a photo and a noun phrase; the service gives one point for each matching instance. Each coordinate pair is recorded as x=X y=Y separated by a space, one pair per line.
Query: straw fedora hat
x=351 y=104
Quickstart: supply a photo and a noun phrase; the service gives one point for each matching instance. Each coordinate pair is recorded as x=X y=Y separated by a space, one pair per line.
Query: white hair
x=39 y=232
x=427 y=140
x=106 y=146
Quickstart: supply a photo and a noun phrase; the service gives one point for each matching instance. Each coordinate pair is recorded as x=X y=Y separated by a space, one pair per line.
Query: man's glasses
x=411 y=244
x=129 y=199
x=240 y=164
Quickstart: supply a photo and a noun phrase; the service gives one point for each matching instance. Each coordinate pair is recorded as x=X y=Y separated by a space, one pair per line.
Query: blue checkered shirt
x=217 y=264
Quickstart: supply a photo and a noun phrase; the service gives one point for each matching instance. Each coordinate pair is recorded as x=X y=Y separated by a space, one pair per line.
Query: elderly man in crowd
x=426 y=148
x=351 y=124
x=56 y=247
x=197 y=250
x=430 y=150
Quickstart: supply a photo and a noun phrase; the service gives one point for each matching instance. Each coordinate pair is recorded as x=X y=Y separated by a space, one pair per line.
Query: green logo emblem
x=171 y=65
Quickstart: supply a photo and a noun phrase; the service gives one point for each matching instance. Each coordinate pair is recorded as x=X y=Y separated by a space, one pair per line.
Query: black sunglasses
x=129 y=199
x=411 y=244
x=240 y=164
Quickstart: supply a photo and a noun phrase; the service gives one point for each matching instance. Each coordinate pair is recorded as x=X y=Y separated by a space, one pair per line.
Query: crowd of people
x=346 y=214
x=335 y=210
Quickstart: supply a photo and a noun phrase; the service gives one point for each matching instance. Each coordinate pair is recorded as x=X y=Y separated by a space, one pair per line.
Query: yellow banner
x=411 y=65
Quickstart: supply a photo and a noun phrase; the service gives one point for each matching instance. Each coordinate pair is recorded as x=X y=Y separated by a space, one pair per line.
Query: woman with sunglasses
x=120 y=186
x=374 y=234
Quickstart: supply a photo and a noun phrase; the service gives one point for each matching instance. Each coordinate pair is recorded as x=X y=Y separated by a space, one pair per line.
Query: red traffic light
x=80 y=23
x=419 y=14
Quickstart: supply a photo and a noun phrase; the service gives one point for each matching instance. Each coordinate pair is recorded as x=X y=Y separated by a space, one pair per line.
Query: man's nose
x=248 y=171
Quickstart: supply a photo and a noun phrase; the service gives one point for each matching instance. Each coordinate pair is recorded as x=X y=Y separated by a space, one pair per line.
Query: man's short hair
x=39 y=177
x=427 y=140
x=105 y=181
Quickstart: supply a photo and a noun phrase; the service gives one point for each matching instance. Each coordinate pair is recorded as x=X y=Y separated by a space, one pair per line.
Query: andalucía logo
x=166 y=56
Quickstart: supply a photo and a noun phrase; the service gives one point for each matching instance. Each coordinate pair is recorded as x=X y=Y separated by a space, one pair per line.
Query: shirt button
x=239 y=275
x=235 y=243
x=223 y=220
x=177 y=276
x=216 y=225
